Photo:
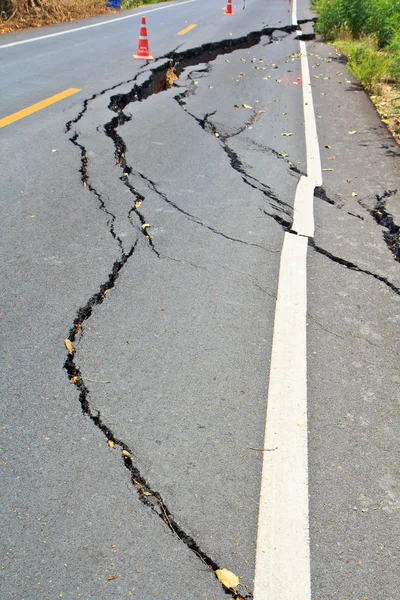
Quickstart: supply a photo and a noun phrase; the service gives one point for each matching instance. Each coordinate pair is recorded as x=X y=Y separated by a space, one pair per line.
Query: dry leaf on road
x=227 y=578
x=69 y=346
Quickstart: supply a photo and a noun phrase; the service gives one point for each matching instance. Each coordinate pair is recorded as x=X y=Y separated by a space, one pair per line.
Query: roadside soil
x=386 y=104
x=48 y=12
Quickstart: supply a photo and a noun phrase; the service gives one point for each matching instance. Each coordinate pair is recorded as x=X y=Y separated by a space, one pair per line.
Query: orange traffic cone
x=143 y=52
x=228 y=9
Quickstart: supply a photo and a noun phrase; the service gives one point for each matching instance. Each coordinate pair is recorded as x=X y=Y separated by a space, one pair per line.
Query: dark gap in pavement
x=385 y=219
x=160 y=79
x=320 y=193
x=286 y=225
x=234 y=160
x=353 y=267
x=86 y=184
x=379 y=213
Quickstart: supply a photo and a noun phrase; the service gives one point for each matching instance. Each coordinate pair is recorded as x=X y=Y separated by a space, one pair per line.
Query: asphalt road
x=145 y=224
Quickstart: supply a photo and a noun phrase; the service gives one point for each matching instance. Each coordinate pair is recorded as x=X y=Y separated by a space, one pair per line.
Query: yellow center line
x=186 y=29
x=38 y=106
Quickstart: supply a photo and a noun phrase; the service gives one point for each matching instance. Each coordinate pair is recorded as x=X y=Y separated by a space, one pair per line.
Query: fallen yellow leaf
x=69 y=346
x=227 y=578
x=111 y=444
x=145 y=226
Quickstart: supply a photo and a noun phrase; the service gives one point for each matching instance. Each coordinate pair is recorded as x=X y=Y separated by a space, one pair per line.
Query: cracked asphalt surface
x=144 y=223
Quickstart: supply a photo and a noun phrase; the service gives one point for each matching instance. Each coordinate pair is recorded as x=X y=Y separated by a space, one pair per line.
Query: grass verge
x=367 y=32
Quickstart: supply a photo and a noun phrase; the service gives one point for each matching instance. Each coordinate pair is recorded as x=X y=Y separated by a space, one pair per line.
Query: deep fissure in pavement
x=286 y=226
x=353 y=267
x=379 y=213
x=385 y=219
x=207 y=125
x=160 y=78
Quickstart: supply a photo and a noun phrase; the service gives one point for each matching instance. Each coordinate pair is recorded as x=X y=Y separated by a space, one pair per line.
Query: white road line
x=282 y=558
x=294 y=12
x=303 y=208
x=110 y=22
x=283 y=545
x=314 y=171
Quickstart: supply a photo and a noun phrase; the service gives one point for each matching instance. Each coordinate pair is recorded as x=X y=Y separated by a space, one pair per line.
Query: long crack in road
x=186 y=72
x=157 y=80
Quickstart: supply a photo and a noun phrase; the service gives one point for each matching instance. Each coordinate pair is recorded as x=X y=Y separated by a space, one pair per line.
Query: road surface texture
x=147 y=219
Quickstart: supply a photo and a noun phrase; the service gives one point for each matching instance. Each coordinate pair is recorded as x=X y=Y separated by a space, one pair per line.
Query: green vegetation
x=378 y=18
x=368 y=32
x=127 y=4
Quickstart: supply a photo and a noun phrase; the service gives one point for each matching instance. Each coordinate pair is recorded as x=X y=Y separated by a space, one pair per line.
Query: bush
x=330 y=21
x=384 y=20
x=380 y=18
x=339 y=16
x=369 y=67
x=394 y=48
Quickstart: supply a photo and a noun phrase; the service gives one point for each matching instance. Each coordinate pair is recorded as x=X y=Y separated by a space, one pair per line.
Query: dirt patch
x=24 y=14
x=388 y=106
